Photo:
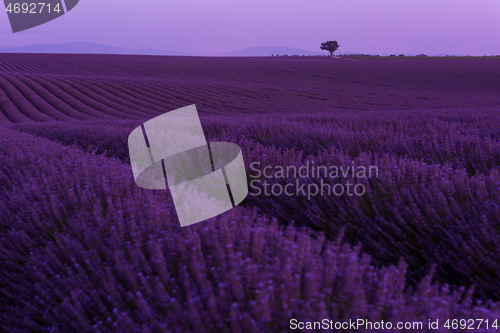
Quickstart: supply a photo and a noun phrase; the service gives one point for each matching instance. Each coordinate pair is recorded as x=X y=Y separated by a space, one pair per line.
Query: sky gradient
x=216 y=26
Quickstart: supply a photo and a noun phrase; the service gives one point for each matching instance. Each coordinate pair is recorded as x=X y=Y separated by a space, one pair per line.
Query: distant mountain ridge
x=92 y=48
x=83 y=48
x=271 y=50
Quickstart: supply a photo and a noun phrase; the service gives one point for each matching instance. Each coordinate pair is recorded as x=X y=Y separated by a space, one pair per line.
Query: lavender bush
x=436 y=201
x=96 y=253
x=84 y=249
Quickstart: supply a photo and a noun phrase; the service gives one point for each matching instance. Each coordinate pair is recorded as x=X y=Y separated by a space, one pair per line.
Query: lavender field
x=83 y=249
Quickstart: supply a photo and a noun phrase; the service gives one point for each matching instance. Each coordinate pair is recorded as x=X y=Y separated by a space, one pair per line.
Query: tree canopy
x=330 y=46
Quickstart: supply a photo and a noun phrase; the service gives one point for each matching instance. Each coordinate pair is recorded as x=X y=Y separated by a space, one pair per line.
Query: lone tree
x=330 y=46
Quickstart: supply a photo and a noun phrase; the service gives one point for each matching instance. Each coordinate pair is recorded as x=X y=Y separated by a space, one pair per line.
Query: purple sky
x=216 y=26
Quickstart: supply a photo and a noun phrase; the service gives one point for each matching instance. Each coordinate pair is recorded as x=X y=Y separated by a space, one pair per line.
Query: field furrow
x=39 y=103
x=78 y=94
x=68 y=99
x=21 y=103
x=112 y=99
x=53 y=100
x=119 y=91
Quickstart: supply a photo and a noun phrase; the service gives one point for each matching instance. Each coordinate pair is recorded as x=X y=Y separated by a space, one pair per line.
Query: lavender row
x=463 y=139
x=83 y=249
x=277 y=86
x=24 y=111
x=53 y=100
x=420 y=210
x=111 y=100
